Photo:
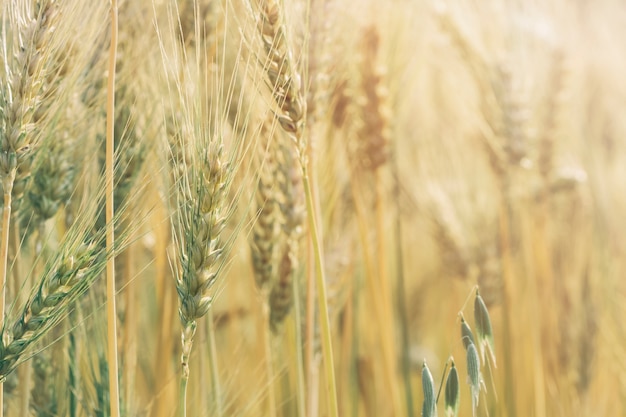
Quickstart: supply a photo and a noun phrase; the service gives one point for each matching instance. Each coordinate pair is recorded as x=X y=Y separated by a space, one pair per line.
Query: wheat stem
x=327 y=348
x=182 y=399
x=401 y=291
x=7 y=185
x=309 y=352
x=271 y=391
x=215 y=381
x=73 y=368
x=301 y=385
x=110 y=238
x=130 y=328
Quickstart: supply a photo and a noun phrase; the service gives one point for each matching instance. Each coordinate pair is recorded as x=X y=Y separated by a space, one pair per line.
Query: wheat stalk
x=18 y=101
x=285 y=83
x=201 y=219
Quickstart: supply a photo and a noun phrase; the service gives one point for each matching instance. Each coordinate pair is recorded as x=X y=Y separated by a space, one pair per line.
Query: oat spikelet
x=453 y=391
x=429 y=407
x=466 y=333
x=483 y=329
x=474 y=377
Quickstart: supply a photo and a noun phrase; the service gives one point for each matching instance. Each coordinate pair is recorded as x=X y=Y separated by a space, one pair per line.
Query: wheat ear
x=200 y=195
x=18 y=101
x=285 y=82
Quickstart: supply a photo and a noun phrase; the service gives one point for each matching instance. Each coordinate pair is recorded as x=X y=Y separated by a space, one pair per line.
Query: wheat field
x=312 y=208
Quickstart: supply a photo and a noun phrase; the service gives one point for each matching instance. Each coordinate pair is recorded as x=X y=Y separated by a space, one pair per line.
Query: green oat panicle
x=453 y=391
x=474 y=377
x=429 y=407
x=483 y=328
x=466 y=333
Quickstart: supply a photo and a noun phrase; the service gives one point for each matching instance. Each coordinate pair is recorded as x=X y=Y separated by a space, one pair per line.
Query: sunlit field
x=322 y=208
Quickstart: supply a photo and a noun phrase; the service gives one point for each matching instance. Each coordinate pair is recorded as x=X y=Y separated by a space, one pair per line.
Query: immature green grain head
x=473 y=375
x=429 y=407
x=453 y=392
x=483 y=328
x=466 y=333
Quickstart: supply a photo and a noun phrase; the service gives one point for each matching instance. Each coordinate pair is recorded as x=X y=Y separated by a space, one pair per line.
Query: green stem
x=182 y=400
x=7 y=184
x=189 y=330
x=401 y=292
x=327 y=349
x=73 y=367
x=216 y=388
x=269 y=363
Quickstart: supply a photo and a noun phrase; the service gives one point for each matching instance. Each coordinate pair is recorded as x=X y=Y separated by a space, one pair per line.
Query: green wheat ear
x=453 y=392
x=483 y=328
x=429 y=408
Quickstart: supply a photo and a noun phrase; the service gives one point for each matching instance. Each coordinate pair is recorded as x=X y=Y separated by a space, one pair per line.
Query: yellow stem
x=309 y=345
x=327 y=348
x=507 y=290
x=130 y=327
x=271 y=390
x=4 y=252
x=216 y=387
x=114 y=390
x=374 y=289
